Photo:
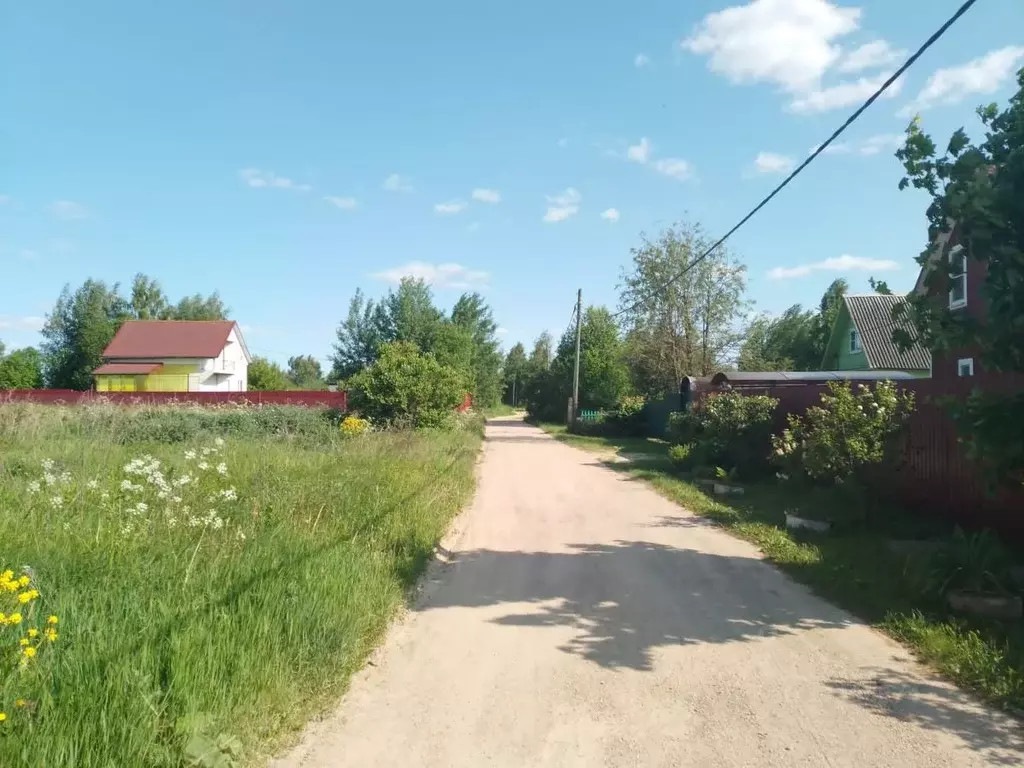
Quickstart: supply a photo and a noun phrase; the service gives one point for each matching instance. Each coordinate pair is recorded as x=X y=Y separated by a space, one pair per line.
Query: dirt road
x=582 y=620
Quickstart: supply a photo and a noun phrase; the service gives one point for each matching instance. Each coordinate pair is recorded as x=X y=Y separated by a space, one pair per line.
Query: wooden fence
x=932 y=473
x=311 y=398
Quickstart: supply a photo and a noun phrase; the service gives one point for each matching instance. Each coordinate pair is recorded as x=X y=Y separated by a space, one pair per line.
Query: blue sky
x=287 y=153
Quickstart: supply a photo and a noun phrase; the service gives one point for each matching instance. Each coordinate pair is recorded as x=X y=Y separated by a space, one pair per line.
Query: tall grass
x=180 y=639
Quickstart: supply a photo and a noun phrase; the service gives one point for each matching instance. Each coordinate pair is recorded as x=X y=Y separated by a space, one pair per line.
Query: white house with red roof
x=175 y=356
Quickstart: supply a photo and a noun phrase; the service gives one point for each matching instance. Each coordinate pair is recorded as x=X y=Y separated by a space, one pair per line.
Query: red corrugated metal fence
x=71 y=397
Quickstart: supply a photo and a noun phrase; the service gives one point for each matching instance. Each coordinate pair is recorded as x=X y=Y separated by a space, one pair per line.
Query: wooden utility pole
x=576 y=368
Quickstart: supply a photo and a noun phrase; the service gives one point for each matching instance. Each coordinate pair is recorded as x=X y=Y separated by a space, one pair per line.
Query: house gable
x=839 y=356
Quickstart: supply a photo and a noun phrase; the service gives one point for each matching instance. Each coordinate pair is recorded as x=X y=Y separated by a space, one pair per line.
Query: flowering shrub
x=849 y=432
x=728 y=430
x=353 y=426
x=149 y=495
x=25 y=640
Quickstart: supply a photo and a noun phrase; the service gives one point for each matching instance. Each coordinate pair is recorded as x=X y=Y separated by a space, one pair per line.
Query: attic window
x=965 y=366
x=958 y=279
x=854 y=341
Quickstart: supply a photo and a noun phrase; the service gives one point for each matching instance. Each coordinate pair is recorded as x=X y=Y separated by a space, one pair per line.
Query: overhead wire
x=820 y=148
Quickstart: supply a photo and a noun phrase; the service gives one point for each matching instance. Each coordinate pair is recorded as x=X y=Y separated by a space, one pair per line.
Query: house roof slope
x=169 y=338
x=872 y=315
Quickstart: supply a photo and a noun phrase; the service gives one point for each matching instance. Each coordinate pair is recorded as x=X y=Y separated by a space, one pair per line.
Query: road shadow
x=627 y=599
x=936 y=707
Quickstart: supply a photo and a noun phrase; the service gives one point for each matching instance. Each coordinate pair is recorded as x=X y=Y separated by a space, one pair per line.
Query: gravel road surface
x=579 y=619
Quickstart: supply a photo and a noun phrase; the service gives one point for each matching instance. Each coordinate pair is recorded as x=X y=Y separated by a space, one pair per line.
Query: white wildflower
x=92 y=485
x=217 y=524
x=189 y=455
x=229 y=493
x=65 y=478
x=163 y=494
x=176 y=499
x=56 y=502
x=203 y=465
x=34 y=487
x=104 y=496
x=222 y=468
x=206 y=451
x=49 y=478
x=47 y=464
x=219 y=442
x=141 y=507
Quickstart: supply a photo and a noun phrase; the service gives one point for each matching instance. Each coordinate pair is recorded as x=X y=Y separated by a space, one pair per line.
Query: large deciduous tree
x=21 y=369
x=783 y=343
x=680 y=317
x=267 y=376
x=304 y=372
x=515 y=371
x=979 y=188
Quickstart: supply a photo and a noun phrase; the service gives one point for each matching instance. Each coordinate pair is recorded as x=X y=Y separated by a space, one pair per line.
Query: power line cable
x=821 y=148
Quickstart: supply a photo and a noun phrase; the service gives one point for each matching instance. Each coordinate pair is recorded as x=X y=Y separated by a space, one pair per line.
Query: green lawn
x=217 y=613
x=853 y=568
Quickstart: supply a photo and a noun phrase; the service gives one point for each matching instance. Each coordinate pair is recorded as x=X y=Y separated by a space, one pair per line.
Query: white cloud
x=258 y=179
x=770 y=162
x=345 y=203
x=486 y=195
x=673 y=167
x=562 y=206
x=641 y=60
x=610 y=214
x=873 y=55
x=793 y=44
x=982 y=75
x=786 y=42
x=68 y=209
x=640 y=153
x=844 y=263
x=438 y=275
x=29 y=323
x=871 y=145
x=452 y=206
x=843 y=95
x=398 y=183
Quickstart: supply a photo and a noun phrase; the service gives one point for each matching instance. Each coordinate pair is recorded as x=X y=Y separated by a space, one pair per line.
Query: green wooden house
x=861 y=338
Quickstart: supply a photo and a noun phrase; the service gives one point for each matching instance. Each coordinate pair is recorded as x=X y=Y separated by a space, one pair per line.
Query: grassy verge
x=501 y=410
x=853 y=568
x=221 y=613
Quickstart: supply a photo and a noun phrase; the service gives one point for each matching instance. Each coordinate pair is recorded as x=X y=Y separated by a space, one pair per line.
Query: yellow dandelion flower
x=52 y=620
x=29 y=652
x=14 y=618
x=7 y=575
x=24 y=581
x=23 y=642
x=20 y=702
x=51 y=635
x=3 y=716
x=3 y=619
x=26 y=597
x=33 y=632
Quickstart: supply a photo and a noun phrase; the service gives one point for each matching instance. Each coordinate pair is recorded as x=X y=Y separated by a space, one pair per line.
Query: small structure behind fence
x=310 y=398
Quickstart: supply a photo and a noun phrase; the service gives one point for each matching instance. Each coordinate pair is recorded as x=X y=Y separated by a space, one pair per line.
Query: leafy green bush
x=976 y=562
x=681 y=456
x=407 y=388
x=846 y=435
x=628 y=418
x=728 y=430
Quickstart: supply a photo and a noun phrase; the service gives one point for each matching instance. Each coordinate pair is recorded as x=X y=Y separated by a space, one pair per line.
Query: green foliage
x=22 y=369
x=182 y=645
x=83 y=322
x=304 y=372
x=267 y=376
x=515 y=371
x=466 y=342
x=680 y=319
x=880 y=286
x=682 y=456
x=846 y=435
x=784 y=343
x=975 y=562
x=977 y=188
x=406 y=387
x=728 y=430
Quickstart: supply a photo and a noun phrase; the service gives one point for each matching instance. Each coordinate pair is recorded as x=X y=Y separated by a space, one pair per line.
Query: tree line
x=673 y=320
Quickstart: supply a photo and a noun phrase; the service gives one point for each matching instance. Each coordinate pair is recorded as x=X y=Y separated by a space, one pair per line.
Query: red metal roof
x=169 y=338
x=128 y=368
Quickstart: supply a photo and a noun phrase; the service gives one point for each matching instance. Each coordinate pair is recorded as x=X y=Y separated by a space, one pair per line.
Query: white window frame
x=958 y=252
x=855 y=345
x=965 y=363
